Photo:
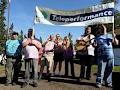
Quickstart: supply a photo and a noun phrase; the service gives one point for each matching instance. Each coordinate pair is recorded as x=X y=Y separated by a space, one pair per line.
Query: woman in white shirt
x=86 y=56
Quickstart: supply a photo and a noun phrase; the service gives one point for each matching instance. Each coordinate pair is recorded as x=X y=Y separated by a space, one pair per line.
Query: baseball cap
x=15 y=33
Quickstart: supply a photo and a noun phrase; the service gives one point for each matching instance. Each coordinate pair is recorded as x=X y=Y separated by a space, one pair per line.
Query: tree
x=21 y=36
x=70 y=38
x=117 y=19
x=109 y=1
x=11 y=29
x=3 y=5
x=40 y=39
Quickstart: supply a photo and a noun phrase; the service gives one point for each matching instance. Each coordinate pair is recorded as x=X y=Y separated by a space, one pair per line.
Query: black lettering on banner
x=82 y=17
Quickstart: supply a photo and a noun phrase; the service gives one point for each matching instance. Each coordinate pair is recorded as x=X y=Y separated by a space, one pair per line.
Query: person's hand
x=32 y=37
x=114 y=35
x=29 y=40
x=105 y=29
x=33 y=42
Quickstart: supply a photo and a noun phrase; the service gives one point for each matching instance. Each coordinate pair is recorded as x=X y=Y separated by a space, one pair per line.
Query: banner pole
x=113 y=31
x=8 y=19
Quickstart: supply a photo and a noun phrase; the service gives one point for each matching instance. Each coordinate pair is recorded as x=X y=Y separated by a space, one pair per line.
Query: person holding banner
x=85 y=52
x=58 y=53
x=105 y=57
x=31 y=51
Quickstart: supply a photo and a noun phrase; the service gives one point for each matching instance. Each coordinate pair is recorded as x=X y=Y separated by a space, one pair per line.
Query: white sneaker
x=109 y=85
x=98 y=85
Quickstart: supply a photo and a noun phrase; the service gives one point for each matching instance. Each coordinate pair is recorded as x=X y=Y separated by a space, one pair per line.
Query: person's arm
x=115 y=40
x=36 y=43
x=45 y=43
x=105 y=29
x=25 y=42
x=93 y=41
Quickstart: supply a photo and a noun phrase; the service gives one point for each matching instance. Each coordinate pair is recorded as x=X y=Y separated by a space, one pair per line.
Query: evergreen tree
x=70 y=38
x=11 y=29
x=109 y=1
x=3 y=5
x=21 y=36
x=40 y=39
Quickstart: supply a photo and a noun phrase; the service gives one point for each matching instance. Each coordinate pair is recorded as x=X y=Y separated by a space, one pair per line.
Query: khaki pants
x=48 y=61
x=12 y=69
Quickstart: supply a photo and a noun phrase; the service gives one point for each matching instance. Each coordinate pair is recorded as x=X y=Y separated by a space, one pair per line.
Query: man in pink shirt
x=31 y=52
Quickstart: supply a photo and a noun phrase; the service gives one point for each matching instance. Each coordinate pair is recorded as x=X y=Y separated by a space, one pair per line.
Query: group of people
x=56 y=50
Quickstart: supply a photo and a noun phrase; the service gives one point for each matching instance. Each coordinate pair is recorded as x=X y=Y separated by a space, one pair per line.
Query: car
x=2 y=59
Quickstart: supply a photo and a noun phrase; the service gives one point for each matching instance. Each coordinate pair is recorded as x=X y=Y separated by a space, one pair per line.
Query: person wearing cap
x=13 y=48
x=31 y=48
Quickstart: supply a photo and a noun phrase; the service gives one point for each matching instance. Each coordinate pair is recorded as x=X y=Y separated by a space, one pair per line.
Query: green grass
x=94 y=68
x=2 y=69
x=116 y=69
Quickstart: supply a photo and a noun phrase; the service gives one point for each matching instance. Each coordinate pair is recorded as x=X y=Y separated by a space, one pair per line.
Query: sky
x=22 y=14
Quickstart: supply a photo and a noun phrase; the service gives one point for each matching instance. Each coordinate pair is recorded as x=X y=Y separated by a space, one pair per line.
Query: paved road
x=57 y=83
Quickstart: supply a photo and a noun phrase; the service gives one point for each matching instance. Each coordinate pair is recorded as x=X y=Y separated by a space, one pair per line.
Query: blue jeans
x=31 y=65
x=104 y=71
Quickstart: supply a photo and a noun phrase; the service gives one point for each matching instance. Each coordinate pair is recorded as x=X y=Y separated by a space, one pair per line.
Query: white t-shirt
x=49 y=45
x=30 y=51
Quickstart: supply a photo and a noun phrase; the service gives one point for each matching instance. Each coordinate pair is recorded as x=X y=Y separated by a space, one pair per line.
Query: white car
x=2 y=59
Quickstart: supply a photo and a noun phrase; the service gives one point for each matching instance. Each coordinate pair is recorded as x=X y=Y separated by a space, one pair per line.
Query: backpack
x=13 y=47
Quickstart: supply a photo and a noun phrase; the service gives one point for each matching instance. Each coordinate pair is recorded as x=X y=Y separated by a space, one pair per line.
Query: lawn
x=116 y=69
x=94 y=68
x=2 y=69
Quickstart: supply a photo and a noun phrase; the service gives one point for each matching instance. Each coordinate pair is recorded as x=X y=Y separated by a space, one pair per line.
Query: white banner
x=96 y=14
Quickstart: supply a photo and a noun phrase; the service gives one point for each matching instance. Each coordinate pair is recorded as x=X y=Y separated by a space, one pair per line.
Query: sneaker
x=87 y=78
x=79 y=79
x=24 y=85
x=39 y=77
x=7 y=84
x=109 y=85
x=98 y=85
x=14 y=83
x=35 y=84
